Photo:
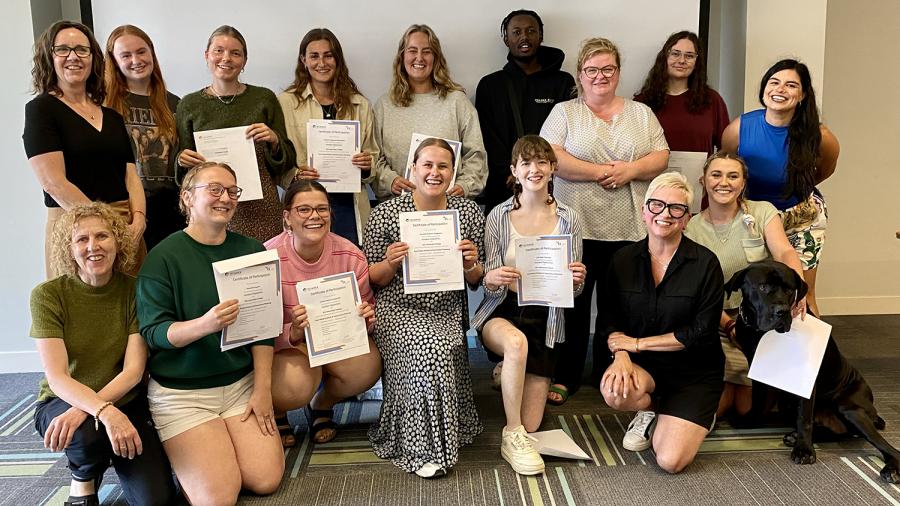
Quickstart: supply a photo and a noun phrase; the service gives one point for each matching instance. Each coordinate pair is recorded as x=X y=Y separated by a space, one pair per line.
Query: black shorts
x=692 y=396
x=531 y=321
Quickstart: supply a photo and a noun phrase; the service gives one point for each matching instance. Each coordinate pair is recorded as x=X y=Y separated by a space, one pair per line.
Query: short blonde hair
x=591 y=47
x=187 y=184
x=674 y=180
x=400 y=91
x=61 y=257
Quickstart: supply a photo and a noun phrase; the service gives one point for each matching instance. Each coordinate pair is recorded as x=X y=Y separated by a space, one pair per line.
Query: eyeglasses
x=216 y=190
x=306 y=211
x=607 y=71
x=65 y=51
x=676 y=55
x=657 y=206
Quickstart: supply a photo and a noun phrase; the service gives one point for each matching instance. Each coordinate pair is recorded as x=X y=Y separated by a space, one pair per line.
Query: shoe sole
x=636 y=447
x=526 y=471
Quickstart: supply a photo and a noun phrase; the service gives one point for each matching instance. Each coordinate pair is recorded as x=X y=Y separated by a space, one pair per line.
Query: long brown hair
x=117 y=85
x=401 y=92
x=43 y=74
x=342 y=86
x=653 y=92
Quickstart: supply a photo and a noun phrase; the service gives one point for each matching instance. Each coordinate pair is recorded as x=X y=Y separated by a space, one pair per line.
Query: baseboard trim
x=20 y=361
x=840 y=306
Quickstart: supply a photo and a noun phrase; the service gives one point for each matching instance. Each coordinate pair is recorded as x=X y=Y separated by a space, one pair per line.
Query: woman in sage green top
x=90 y=404
x=739 y=232
x=226 y=103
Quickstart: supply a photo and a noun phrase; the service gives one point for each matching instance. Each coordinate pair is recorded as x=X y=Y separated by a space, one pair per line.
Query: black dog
x=841 y=400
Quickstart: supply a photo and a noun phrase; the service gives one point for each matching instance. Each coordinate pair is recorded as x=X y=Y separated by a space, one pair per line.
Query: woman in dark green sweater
x=212 y=408
x=227 y=103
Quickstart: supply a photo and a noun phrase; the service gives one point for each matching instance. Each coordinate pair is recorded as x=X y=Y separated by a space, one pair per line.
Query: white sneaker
x=517 y=448
x=637 y=438
x=431 y=470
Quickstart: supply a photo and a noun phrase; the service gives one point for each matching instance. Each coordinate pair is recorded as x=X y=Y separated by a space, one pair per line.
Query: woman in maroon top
x=691 y=113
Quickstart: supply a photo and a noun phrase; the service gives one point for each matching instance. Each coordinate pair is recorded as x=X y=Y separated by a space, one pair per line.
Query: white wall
x=727 y=50
x=370 y=31
x=22 y=214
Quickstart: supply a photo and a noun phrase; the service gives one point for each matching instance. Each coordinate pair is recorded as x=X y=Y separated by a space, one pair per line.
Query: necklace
x=226 y=102
x=721 y=230
x=665 y=265
x=79 y=108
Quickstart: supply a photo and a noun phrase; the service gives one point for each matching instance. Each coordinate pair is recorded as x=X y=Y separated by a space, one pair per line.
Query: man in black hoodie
x=516 y=100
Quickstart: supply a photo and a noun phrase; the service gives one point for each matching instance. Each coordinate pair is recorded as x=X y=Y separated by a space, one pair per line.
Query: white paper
x=434 y=262
x=331 y=145
x=231 y=146
x=336 y=330
x=543 y=263
x=791 y=361
x=557 y=443
x=414 y=144
x=690 y=164
x=255 y=281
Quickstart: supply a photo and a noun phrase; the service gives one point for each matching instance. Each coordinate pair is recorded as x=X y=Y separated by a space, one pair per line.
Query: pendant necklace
x=226 y=102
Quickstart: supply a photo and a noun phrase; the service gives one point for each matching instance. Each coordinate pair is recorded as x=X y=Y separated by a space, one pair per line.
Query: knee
x=516 y=348
x=224 y=492
x=264 y=484
x=292 y=393
x=616 y=402
x=672 y=462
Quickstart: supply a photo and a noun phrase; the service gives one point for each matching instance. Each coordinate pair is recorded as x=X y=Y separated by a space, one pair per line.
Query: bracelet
x=637 y=345
x=139 y=212
x=97 y=414
x=470 y=269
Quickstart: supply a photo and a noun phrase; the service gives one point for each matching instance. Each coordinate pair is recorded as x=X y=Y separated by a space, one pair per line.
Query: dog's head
x=770 y=289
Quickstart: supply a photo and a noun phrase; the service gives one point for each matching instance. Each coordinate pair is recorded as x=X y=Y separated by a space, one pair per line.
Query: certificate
x=414 y=144
x=791 y=361
x=690 y=164
x=231 y=146
x=331 y=145
x=336 y=330
x=434 y=262
x=255 y=281
x=543 y=263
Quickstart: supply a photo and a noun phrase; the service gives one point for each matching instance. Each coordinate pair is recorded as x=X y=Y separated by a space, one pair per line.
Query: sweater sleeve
x=282 y=158
x=710 y=297
x=184 y=122
x=381 y=185
x=156 y=310
x=47 y=318
x=473 y=167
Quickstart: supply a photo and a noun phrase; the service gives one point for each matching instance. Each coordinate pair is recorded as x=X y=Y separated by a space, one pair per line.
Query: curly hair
x=187 y=184
x=43 y=73
x=61 y=237
x=342 y=85
x=804 y=135
x=117 y=85
x=400 y=91
x=591 y=47
x=653 y=91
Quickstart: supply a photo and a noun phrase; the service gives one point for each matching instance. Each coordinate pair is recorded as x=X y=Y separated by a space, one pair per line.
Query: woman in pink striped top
x=308 y=250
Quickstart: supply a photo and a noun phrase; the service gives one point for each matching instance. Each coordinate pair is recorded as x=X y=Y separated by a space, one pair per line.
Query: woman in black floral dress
x=428 y=411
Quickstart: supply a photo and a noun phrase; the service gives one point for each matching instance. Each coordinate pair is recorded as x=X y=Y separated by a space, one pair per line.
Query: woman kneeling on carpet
x=308 y=250
x=665 y=297
x=524 y=336
x=91 y=404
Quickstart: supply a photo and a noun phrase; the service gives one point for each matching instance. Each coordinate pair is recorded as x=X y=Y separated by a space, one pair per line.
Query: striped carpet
x=736 y=466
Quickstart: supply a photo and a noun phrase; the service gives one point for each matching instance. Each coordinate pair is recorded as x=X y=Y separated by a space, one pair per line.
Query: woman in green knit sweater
x=212 y=408
x=226 y=103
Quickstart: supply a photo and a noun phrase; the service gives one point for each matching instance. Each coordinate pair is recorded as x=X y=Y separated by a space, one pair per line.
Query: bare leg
x=534 y=399
x=293 y=381
x=743 y=399
x=205 y=463
x=260 y=457
x=726 y=401
x=675 y=442
x=504 y=339
x=810 y=278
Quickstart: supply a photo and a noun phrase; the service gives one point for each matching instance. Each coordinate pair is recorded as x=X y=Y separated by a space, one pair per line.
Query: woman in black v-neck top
x=79 y=151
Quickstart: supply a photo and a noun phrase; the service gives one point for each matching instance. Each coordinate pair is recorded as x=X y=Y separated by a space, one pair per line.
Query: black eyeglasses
x=607 y=71
x=216 y=190
x=306 y=211
x=65 y=51
x=657 y=206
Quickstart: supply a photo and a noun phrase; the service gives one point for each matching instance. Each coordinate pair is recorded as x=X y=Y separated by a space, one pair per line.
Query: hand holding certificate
x=334 y=328
x=545 y=276
x=433 y=262
x=255 y=281
x=331 y=145
x=232 y=146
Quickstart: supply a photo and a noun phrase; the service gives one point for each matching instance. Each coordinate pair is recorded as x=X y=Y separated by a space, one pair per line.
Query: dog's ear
x=799 y=285
x=736 y=282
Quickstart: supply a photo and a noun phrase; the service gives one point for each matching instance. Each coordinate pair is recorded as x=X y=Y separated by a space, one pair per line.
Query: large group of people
x=539 y=153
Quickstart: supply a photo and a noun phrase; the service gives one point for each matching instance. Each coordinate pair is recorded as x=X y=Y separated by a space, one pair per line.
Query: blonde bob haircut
x=591 y=47
x=674 y=180
x=187 y=184
x=401 y=92
x=61 y=257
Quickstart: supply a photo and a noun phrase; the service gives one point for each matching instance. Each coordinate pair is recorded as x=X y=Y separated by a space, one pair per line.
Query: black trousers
x=147 y=479
x=596 y=257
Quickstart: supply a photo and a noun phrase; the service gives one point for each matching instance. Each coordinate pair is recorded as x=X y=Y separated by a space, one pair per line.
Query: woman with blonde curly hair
x=424 y=99
x=93 y=359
